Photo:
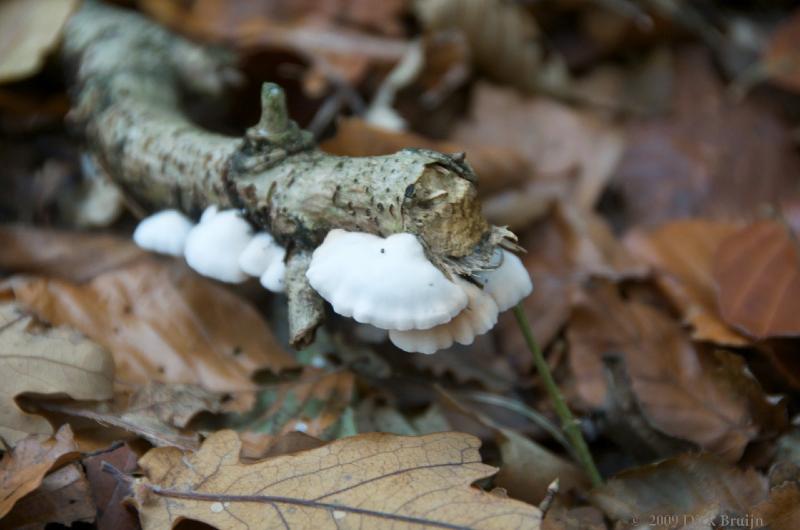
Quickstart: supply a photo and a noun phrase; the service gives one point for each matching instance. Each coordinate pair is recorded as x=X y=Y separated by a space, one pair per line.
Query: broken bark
x=129 y=75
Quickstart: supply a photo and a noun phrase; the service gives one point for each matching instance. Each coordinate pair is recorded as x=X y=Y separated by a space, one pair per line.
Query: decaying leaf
x=682 y=254
x=372 y=480
x=28 y=31
x=41 y=360
x=63 y=497
x=691 y=488
x=706 y=397
x=312 y=403
x=164 y=323
x=757 y=271
x=23 y=468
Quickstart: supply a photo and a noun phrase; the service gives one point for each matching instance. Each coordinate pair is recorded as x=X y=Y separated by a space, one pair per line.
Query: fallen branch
x=129 y=75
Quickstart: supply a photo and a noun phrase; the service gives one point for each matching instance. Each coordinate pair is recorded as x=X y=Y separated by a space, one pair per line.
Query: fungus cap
x=213 y=247
x=164 y=232
x=477 y=318
x=386 y=282
x=507 y=284
x=273 y=278
x=259 y=254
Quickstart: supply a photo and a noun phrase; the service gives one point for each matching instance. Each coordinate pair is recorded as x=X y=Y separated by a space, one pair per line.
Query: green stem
x=568 y=421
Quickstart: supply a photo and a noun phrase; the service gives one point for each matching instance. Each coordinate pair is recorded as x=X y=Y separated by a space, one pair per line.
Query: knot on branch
x=274 y=137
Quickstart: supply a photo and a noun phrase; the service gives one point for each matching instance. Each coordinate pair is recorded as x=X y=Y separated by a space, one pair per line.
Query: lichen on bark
x=129 y=75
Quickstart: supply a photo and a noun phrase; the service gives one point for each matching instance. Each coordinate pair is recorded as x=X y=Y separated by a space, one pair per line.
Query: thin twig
x=568 y=422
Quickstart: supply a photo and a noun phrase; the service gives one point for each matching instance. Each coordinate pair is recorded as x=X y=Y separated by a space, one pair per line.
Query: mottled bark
x=129 y=75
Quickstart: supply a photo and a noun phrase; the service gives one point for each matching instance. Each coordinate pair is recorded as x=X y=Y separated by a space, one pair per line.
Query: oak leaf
x=23 y=468
x=367 y=481
x=682 y=254
x=757 y=271
x=43 y=360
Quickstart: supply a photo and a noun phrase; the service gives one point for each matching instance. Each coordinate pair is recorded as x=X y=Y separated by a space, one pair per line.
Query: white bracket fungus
x=259 y=254
x=386 y=282
x=164 y=232
x=213 y=247
x=477 y=318
x=507 y=284
x=274 y=278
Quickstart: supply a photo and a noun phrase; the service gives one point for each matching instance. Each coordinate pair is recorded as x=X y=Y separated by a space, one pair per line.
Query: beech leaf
x=44 y=360
x=367 y=481
x=757 y=271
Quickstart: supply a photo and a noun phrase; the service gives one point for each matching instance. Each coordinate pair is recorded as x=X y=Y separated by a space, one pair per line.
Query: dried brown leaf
x=496 y=167
x=74 y=256
x=559 y=142
x=700 y=160
x=757 y=271
x=708 y=398
x=682 y=253
x=28 y=31
x=162 y=323
x=108 y=492
x=781 y=511
x=683 y=490
x=372 y=480
x=63 y=497
x=23 y=468
x=36 y=359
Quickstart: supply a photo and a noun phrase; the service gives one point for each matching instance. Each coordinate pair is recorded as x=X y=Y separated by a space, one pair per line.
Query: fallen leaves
x=686 y=490
x=682 y=254
x=757 y=270
x=372 y=480
x=162 y=323
x=708 y=398
x=41 y=360
x=23 y=469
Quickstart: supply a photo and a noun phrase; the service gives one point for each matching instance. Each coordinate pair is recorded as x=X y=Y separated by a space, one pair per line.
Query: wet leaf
x=781 y=511
x=162 y=323
x=23 y=468
x=757 y=271
x=41 y=360
x=708 y=398
x=780 y=59
x=684 y=490
x=28 y=31
x=372 y=480
x=682 y=254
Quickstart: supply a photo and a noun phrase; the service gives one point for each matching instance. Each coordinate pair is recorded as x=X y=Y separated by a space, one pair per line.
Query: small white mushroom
x=274 y=277
x=213 y=247
x=164 y=232
x=259 y=254
x=509 y=283
x=477 y=318
x=386 y=282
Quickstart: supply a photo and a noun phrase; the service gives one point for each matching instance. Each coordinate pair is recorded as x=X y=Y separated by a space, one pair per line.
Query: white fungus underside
x=259 y=254
x=477 y=318
x=386 y=282
x=509 y=283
